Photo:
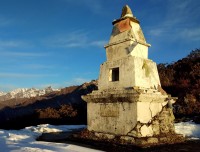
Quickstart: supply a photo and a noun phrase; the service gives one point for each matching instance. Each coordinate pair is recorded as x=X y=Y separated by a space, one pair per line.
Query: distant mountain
x=2 y=93
x=25 y=93
x=54 y=107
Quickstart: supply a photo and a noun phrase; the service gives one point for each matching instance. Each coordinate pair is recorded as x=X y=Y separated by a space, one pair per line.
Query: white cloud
x=100 y=43
x=25 y=75
x=21 y=54
x=75 y=39
x=183 y=33
x=192 y=34
x=37 y=66
x=13 y=43
x=178 y=22
x=157 y=32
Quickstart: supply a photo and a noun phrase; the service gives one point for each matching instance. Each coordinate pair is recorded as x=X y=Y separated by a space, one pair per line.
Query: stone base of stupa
x=172 y=138
x=138 y=116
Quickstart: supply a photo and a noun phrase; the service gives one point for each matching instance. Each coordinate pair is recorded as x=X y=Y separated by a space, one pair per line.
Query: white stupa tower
x=130 y=102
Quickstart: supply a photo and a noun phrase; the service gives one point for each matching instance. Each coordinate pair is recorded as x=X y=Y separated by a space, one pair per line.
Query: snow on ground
x=188 y=129
x=24 y=140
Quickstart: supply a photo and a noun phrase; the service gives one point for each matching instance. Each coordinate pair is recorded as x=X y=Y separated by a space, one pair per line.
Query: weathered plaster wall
x=138 y=50
x=117 y=37
x=117 y=51
x=146 y=73
x=133 y=71
x=137 y=32
x=129 y=113
x=115 y=118
x=123 y=49
x=161 y=124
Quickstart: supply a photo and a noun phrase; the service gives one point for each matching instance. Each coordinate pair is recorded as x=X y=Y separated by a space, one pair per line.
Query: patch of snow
x=46 y=128
x=24 y=140
x=188 y=129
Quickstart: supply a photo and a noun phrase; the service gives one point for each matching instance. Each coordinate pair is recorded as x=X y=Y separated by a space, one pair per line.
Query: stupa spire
x=126 y=12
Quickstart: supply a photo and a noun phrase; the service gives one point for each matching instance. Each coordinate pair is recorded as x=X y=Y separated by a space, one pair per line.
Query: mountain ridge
x=26 y=93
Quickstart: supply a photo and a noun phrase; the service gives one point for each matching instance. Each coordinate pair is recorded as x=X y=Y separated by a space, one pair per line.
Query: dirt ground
x=65 y=137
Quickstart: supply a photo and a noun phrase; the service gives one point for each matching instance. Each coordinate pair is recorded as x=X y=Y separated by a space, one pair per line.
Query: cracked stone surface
x=146 y=131
x=144 y=112
x=155 y=108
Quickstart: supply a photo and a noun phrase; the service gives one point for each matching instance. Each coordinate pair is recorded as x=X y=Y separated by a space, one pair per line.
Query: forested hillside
x=182 y=79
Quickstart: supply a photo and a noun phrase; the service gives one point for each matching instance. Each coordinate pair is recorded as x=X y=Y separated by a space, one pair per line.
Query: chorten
x=130 y=102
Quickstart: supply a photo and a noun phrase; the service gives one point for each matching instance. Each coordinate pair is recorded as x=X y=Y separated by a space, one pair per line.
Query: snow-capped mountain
x=25 y=93
x=2 y=93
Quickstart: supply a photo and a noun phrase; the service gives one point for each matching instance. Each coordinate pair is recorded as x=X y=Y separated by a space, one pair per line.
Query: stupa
x=130 y=104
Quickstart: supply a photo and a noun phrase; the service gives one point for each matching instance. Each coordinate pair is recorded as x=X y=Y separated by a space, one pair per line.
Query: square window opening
x=114 y=74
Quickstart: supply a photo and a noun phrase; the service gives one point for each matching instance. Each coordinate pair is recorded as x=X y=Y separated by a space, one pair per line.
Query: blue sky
x=60 y=42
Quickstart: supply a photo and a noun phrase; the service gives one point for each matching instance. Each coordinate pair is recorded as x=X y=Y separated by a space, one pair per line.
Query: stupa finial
x=126 y=12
